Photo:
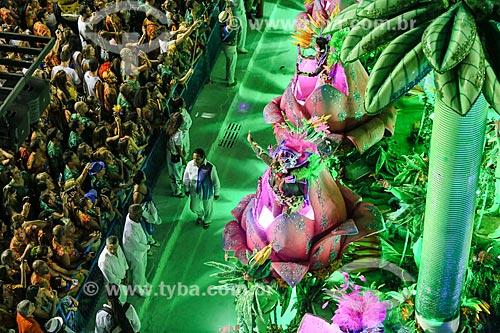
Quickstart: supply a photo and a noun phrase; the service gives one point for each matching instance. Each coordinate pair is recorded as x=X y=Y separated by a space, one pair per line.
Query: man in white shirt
x=91 y=77
x=65 y=58
x=179 y=105
x=135 y=244
x=116 y=316
x=113 y=265
x=202 y=184
x=84 y=24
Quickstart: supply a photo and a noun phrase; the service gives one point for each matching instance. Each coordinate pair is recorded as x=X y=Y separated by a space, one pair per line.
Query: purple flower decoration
x=357 y=311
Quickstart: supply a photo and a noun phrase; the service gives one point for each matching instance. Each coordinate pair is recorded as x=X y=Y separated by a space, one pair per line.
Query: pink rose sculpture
x=340 y=98
x=298 y=207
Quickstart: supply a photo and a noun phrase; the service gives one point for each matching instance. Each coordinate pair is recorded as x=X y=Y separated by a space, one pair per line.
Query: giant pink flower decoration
x=308 y=239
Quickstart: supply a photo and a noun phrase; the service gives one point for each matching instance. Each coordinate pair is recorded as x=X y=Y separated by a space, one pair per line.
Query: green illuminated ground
x=262 y=75
x=180 y=301
x=182 y=304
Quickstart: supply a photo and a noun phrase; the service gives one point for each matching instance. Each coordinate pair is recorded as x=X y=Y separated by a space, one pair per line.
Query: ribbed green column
x=455 y=157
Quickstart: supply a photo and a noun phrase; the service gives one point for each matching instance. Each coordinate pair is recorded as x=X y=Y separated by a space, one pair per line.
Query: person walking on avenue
x=201 y=183
x=116 y=316
x=135 y=245
x=228 y=36
x=113 y=265
x=240 y=16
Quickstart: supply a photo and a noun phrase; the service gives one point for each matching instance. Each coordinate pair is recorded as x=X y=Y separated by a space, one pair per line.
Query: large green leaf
x=347 y=18
x=436 y=38
x=463 y=34
x=406 y=74
x=391 y=29
x=386 y=9
x=343 y=20
x=380 y=90
x=360 y=30
x=449 y=38
x=460 y=86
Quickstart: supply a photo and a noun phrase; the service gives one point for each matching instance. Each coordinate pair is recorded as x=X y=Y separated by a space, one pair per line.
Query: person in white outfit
x=229 y=37
x=116 y=316
x=91 y=77
x=176 y=155
x=179 y=105
x=84 y=24
x=135 y=245
x=202 y=184
x=113 y=265
x=240 y=17
x=65 y=58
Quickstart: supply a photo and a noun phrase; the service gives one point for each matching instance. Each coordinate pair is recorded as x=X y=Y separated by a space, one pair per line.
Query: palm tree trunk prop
x=458 y=40
x=455 y=158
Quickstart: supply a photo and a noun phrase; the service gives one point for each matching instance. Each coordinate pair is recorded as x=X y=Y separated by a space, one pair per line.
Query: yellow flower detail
x=336 y=10
x=261 y=256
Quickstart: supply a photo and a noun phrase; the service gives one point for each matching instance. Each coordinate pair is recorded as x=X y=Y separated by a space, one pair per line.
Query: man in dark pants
x=228 y=35
x=201 y=183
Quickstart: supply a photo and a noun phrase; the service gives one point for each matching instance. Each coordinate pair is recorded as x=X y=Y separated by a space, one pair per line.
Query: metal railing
x=152 y=167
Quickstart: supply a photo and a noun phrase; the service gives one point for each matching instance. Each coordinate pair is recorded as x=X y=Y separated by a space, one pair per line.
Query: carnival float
x=351 y=230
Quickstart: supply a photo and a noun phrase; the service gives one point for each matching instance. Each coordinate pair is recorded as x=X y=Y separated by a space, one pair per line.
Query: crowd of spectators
x=67 y=183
